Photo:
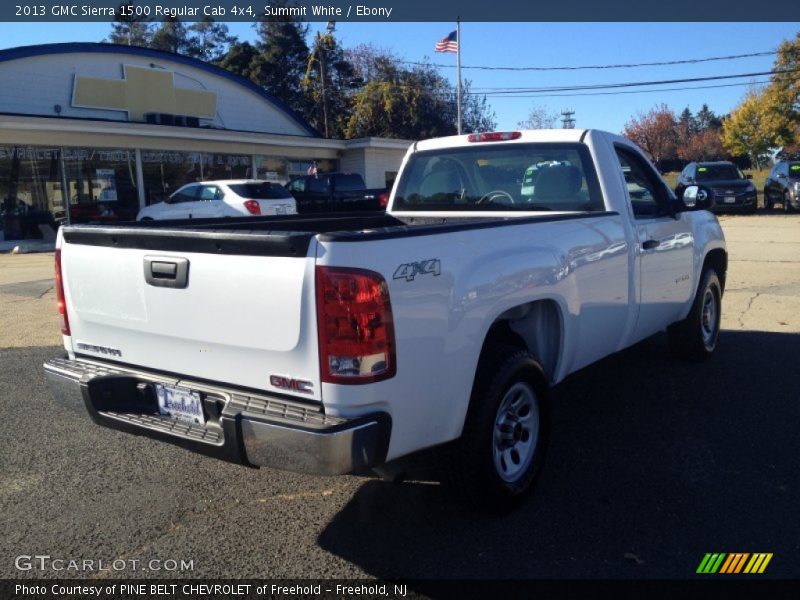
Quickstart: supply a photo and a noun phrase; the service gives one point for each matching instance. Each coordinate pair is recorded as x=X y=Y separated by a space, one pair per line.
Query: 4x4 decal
x=408 y=271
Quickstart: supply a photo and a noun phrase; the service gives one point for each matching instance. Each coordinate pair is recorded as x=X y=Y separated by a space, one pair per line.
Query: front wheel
x=502 y=447
x=787 y=206
x=767 y=200
x=695 y=338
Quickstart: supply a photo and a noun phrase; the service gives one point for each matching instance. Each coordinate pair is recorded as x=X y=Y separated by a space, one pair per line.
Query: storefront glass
x=165 y=172
x=30 y=191
x=101 y=184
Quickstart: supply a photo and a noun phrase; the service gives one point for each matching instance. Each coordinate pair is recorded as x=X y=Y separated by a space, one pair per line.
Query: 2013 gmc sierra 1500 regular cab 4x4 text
x=334 y=343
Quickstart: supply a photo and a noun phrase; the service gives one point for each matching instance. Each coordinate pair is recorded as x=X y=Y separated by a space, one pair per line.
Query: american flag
x=448 y=44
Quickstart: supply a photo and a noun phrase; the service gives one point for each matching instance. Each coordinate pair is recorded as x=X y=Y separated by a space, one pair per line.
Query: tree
x=654 y=132
x=782 y=97
x=128 y=30
x=539 y=118
x=707 y=119
x=239 y=59
x=703 y=145
x=171 y=36
x=476 y=115
x=750 y=129
x=328 y=81
x=209 y=40
x=280 y=63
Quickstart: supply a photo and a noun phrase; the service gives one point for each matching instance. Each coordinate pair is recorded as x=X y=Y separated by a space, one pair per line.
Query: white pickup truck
x=336 y=343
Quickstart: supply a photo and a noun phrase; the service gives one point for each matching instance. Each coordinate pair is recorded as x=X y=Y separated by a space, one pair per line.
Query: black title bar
x=403 y=11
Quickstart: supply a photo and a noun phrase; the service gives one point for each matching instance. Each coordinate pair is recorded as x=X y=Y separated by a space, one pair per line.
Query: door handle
x=166 y=271
x=650 y=244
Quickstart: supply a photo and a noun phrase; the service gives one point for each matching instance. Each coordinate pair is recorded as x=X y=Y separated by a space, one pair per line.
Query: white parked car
x=224 y=198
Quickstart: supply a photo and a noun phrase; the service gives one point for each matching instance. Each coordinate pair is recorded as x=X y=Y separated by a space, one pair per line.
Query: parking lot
x=652 y=463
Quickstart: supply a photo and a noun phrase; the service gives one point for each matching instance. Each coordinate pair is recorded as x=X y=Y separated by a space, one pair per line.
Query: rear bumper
x=243 y=427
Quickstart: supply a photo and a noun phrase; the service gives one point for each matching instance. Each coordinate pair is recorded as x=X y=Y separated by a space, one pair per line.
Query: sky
x=544 y=45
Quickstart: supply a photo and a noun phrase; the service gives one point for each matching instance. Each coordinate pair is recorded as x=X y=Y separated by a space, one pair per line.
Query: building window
x=164 y=172
x=101 y=184
x=30 y=191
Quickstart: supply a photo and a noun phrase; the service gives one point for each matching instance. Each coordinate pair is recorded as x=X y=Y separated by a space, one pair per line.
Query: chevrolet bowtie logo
x=140 y=91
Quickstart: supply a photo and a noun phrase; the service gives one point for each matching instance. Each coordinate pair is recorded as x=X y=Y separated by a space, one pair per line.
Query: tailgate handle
x=168 y=271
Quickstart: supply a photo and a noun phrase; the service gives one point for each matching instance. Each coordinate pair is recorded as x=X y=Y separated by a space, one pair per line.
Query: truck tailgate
x=239 y=319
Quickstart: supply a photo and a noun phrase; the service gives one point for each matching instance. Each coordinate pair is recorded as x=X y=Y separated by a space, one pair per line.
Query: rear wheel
x=695 y=338
x=501 y=450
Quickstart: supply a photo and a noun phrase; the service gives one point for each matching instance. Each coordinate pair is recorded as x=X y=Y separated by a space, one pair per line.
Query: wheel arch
x=536 y=326
x=717 y=259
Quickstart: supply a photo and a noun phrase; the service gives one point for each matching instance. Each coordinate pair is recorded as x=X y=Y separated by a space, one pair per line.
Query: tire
x=787 y=206
x=501 y=450
x=767 y=200
x=695 y=338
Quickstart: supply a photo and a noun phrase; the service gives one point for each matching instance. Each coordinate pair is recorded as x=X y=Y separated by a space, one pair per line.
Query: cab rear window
x=260 y=191
x=498 y=177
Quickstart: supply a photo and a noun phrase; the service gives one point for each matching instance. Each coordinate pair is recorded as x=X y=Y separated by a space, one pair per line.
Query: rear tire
x=695 y=338
x=501 y=450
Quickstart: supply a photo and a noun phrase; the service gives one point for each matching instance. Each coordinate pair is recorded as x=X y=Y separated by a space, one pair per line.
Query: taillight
x=383 y=199
x=494 y=136
x=356 y=331
x=253 y=207
x=62 y=303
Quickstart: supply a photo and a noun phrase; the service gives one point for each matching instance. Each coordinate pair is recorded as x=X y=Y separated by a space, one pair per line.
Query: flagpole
x=458 y=70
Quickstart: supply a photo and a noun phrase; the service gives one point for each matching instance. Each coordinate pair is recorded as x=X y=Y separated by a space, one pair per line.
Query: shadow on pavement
x=652 y=463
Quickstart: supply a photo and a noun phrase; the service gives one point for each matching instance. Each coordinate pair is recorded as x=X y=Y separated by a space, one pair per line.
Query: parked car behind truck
x=335 y=192
x=732 y=190
x=223 y=198
x=341 y=343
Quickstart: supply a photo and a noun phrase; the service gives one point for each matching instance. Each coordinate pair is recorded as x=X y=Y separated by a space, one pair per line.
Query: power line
x=675 y=89
x=688 y=61
x=602 y=86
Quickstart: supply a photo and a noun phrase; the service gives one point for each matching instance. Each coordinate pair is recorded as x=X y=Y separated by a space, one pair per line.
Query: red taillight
x=355 y=327
x=62 y=303
x=494 y=136
x=253 y=207
x=383 y=199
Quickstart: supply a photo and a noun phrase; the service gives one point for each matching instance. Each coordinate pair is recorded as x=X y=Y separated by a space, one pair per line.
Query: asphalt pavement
x=652 y=463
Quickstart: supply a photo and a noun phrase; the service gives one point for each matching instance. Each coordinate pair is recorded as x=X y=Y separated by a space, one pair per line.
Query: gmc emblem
x=294 y=385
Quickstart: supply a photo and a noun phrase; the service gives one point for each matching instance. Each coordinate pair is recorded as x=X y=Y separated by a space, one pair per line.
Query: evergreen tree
x=171 y=36
x=129 y=31
x=209 y=40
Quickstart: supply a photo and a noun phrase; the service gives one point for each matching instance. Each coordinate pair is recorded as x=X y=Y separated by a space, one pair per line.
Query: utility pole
x=567 y=120
x=321 y=58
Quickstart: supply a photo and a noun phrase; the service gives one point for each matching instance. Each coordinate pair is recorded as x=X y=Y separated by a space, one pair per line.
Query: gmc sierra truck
x=336 y=343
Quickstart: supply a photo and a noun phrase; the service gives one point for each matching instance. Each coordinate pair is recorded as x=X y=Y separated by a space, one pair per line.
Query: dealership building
x=94 y=132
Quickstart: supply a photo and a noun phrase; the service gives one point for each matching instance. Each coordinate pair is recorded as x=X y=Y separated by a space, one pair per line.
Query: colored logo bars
x=735 y=562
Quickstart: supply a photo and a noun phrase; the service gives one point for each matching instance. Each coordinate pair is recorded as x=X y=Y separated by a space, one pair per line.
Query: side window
x=188 y=194
x=209 y=193
x=318 y=185
x=646 y=191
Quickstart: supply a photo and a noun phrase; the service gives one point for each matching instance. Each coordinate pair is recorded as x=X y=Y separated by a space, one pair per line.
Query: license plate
x=730 y=200
x=280 y=210
x=180 y=403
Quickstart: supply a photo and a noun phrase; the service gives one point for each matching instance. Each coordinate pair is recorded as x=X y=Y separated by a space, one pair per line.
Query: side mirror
x=697 y=198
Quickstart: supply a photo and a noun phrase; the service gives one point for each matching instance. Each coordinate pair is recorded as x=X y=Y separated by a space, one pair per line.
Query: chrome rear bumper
x=244 y=427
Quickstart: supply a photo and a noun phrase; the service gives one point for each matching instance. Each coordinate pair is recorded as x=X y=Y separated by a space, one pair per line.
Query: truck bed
x=283 y=236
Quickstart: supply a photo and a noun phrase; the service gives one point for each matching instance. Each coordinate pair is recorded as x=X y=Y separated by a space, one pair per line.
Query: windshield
x=260 y=191
x=718 y=172
x=794 y=170
x=513 y=177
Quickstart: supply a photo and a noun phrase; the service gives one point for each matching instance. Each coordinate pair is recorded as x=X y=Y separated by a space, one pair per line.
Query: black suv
x=732 y=190
x=783 y=185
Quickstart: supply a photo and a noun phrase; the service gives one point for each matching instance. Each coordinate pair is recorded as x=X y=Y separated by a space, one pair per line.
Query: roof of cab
x=528 y=136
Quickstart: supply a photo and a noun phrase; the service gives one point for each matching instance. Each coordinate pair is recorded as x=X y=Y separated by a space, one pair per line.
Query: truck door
x=664 y=247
